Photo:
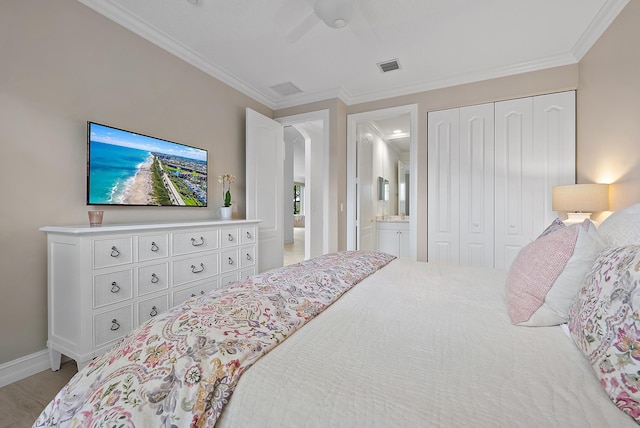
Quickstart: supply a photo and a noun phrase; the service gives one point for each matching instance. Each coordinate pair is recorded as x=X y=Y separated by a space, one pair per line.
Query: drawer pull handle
x=230 y=261
x=114 y=287
x=197 y=244
x=154 y=312
x=194 y=294
x=114 y=324
x=248 y=256
x=154 y=278
x=114 y=252
x=230 y=237
x=154 y=247
x=249 y=235
x=194 y=269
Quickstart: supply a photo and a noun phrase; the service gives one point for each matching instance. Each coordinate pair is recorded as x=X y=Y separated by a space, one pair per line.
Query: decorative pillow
x=547 y=273
x=622 y=227
x=604 y=322
x=555 y=225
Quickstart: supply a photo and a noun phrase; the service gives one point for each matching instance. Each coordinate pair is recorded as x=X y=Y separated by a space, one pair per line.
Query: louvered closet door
x=443 y=187
x=476 y=185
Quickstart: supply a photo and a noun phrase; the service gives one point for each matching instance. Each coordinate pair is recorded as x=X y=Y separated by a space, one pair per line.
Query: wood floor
x=22 y=402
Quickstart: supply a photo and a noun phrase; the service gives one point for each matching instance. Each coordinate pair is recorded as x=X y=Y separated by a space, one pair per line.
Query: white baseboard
x=23 y=367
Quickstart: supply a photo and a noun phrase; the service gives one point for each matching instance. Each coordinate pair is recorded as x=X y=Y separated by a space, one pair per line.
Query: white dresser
x=104 y=281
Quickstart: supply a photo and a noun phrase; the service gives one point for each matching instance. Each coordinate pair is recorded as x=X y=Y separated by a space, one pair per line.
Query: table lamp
x=580 y=200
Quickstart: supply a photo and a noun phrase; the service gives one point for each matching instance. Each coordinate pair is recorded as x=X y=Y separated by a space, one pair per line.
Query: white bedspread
x=422 y=345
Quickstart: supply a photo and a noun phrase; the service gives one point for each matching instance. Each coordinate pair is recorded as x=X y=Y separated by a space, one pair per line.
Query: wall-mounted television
x=127 y=168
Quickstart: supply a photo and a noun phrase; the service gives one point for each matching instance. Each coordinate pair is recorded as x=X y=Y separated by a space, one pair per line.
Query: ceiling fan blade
x=364 y=31
x=301 y=29
x=362 y=25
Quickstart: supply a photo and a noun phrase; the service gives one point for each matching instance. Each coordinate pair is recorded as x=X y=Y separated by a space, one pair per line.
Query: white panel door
x=366 y=196
x=443 y=187
x=515 y=174
x=264 y=170
x=476 y=185
x=554 y=136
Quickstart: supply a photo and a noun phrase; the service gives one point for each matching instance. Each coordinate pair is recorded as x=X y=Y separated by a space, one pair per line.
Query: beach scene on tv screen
x=132 y=169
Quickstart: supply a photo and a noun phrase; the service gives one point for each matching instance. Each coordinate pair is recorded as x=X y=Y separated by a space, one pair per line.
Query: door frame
x=352 y=127
x=316 y=182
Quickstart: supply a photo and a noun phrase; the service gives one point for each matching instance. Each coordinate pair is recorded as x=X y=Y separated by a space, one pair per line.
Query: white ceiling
x=248 y=43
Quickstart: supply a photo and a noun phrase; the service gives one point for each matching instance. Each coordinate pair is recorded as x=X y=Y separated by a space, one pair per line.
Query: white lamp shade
x=580 y=198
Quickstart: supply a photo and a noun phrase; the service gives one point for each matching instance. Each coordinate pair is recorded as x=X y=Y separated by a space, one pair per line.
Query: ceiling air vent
x=285 y=89
x=389 y=65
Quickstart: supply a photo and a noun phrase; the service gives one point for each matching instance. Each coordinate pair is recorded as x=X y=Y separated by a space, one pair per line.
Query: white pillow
x=621 y=228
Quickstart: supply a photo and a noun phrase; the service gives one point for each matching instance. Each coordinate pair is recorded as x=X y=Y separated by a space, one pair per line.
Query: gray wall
x=61 y=65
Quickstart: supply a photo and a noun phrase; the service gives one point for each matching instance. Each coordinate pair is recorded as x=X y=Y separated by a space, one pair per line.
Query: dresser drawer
x=195 y=268
x=112 y=287
x=247 y=256
x=229 y=260
x=112 y=325
x=229 y=237
x=153 y=278
x=192 y=242
x=228 y=279
x=198 y=290
x=152 y=247
x=151 y=308
x=248 y=235
x=247 y=273
x=112 y=252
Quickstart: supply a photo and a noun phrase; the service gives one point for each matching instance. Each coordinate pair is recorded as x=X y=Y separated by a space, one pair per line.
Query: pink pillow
x=547 y=274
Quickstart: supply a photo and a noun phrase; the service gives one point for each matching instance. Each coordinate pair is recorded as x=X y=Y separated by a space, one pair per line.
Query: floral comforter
x=181 y=368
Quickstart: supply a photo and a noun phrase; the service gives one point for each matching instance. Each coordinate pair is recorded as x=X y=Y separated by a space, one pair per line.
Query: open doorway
x=294 y=195
x=306 y=186
x=381 y=177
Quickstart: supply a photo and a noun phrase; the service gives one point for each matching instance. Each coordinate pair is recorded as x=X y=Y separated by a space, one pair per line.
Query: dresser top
x=143 y=227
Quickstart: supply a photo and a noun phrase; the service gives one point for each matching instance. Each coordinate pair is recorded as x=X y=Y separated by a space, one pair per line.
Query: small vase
x=225 y=212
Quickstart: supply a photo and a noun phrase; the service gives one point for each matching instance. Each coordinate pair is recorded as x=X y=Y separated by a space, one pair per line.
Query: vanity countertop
x=392 y=219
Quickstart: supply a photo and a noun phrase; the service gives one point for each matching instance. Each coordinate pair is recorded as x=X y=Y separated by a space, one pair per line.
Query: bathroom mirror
x=403 y=188
x=383 y=189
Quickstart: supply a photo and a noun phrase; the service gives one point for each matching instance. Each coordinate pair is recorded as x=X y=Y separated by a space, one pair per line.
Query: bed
x=395 y=343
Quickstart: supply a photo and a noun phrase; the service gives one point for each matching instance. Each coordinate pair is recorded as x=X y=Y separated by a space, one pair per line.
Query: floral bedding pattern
x=604 y=322
x=180 y=369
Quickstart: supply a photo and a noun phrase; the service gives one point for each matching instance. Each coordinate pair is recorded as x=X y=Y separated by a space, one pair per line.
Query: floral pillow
x=605 y=324
x=546 y=274
x=555 y=225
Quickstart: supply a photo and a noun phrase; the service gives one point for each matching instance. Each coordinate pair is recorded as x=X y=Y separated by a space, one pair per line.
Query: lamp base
x=573 y=218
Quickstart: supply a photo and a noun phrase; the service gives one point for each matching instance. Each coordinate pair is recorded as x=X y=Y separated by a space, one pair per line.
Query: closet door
x=554 y=136
x=515 y=174
x=477 y=185
x=535 y=150
x=443 y=200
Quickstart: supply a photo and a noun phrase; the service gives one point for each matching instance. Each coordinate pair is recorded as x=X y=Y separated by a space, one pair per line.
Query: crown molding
x=149 y=32
x=462 y=79
x=607 y=14
x=116 y=13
